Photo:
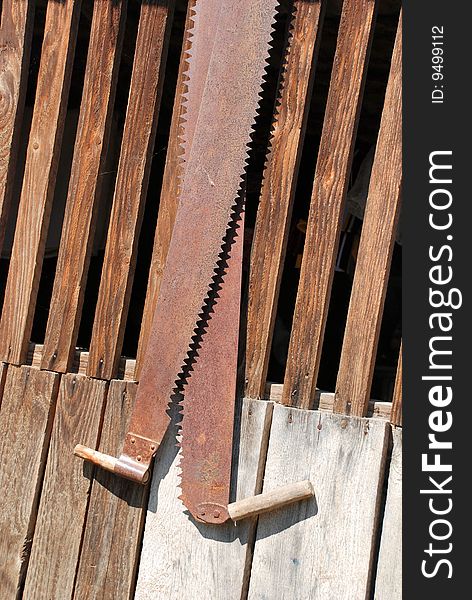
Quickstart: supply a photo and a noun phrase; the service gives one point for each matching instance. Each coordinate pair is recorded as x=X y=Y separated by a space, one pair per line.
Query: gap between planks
x=26 y=418
x=388 y=583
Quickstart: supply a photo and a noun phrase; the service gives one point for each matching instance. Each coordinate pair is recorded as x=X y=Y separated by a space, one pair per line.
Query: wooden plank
x=131 y=187
x=126 y=366
x=323 y=546
x=359 y=351
x=324 y=401
x=388 y=584
x=42 y=158
x=327 y=201
x=26 y=419
x=15 y=45
x=189 y=559
x=278 y=190
x=115 y=517
x=169 y=197
x=66 y=487
x=397 y=408
x=91 y=144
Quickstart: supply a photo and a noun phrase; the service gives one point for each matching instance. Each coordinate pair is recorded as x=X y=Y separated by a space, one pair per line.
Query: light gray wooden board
x=388 y=584
x=320 y=549
x=183 y=560
x=26 y=416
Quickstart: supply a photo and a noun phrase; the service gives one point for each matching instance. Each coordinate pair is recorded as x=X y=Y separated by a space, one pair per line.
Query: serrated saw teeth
x=210 y=104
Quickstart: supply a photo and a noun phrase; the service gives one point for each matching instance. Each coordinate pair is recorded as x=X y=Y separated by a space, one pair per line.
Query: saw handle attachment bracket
x=134 y=462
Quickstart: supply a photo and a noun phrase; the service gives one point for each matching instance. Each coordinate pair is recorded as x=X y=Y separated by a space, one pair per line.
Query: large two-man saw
x=193 y=345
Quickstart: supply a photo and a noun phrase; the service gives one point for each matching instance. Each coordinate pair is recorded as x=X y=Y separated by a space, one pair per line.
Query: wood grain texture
x=278 y=190
x=168 y=199
x=396 y=417
x=26 y=417
x=126 y=366
x=39 y=179
x=322 y=548
x=15 y=45
x=269 y=501
x=388 y=583
x=189 y=560
x=327 y=201
x=359 y=351
x=91 y=145
x=324 y=401
x=111 y=546
x=66 y=488
x=131 y=187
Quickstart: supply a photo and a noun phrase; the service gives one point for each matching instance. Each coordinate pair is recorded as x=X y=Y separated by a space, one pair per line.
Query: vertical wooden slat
x=131 y=187
x=168 y=200
x=396 y=416
x=115 y=517
x=42 y=158
x=89 y=154
x=280 y=179
x=26 y=418
x=66 y=488
x=327 y=201
x=15 y=45
x=374 y=255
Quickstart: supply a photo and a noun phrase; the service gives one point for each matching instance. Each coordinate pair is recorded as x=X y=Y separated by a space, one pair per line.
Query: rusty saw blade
x=194 y=339
x=210 y=391
x=206 y=431
x=229 y=48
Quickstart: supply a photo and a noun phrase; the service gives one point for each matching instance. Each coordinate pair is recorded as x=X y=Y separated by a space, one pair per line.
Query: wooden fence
x=70 y=532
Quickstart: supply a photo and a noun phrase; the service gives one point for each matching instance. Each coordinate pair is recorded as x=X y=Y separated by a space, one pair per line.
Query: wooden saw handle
x=281 y=496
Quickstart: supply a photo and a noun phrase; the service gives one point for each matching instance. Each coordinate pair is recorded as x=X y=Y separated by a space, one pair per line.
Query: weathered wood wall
x=67 y=531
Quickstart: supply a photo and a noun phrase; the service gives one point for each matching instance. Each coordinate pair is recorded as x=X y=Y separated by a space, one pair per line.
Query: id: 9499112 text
x=437 y=64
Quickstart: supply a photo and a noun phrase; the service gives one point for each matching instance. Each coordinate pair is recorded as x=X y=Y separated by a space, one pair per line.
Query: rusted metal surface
x=210 y=186
x=208 y=408
x=231 y=46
